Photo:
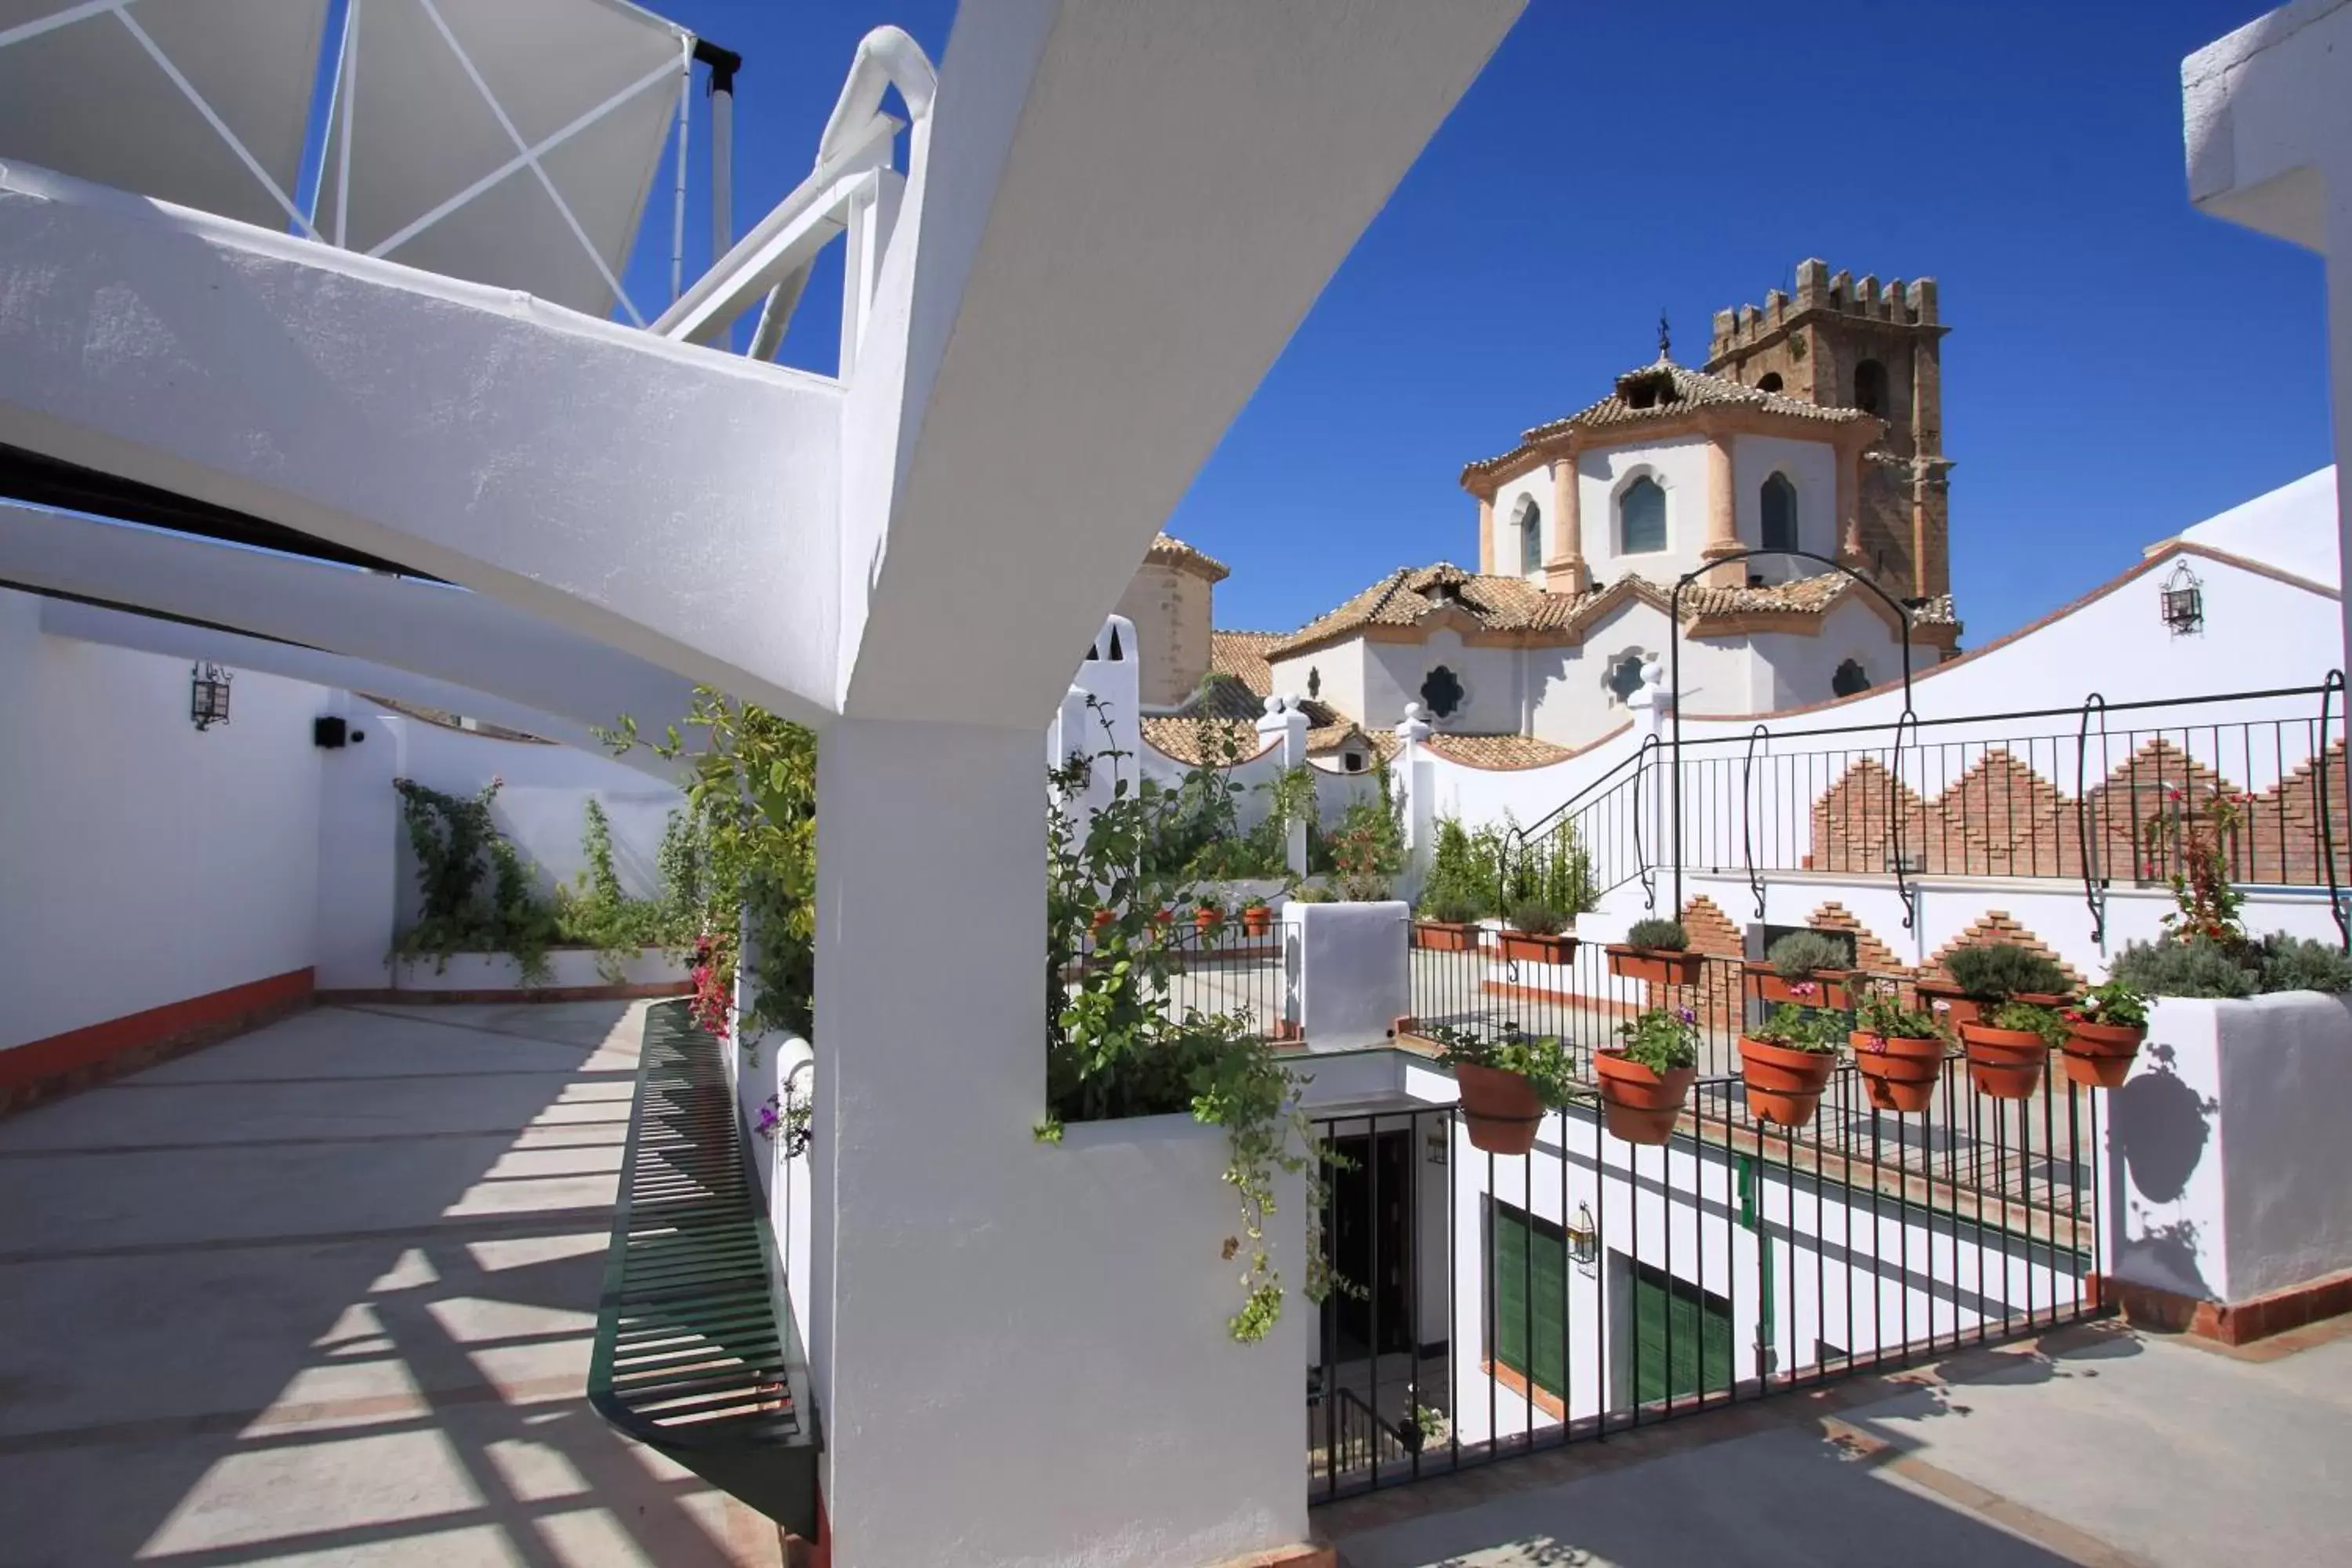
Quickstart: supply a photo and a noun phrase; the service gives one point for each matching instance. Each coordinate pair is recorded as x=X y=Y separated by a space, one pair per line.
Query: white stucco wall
x=2224 y=1147
x=1510 y=497
x=143 y=863
x=1341 y=667
x=1811 y=466
x=1680 y=465
x=1394 y=673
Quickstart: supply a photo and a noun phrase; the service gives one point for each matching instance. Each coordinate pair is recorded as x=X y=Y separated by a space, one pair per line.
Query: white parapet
x=2225 y=1148
x=1346 y=970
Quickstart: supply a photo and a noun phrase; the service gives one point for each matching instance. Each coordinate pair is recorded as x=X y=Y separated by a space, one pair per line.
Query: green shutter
x=1682 y=1338
x=1529 y=1292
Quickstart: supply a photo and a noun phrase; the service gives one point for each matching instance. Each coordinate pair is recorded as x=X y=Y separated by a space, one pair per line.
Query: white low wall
x=2225 y=1147
x=569 y=968
x=1346 y=967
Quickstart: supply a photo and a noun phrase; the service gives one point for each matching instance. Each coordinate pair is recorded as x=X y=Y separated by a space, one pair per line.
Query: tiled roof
x=1513 y=605
x=1664 y=390
x=1243 y=656
x=1495 y=751
x=1166 y=549
x=1219 y=723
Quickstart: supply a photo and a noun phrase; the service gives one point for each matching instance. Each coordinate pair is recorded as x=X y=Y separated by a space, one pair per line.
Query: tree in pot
x=1644 y=1081
x=1898 y=1050
x=1993 y=973
x=2102 y=1035
x=1786 y=1061
x=2016 y=993
x=1535 y=934
x=1656 y=951
x=1506 y=1084
x=1445 y=921
x=1806 y=967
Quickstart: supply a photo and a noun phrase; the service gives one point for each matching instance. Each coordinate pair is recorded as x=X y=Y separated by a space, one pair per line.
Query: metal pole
x=678 y=207
x=722 y=65
x=348 y=86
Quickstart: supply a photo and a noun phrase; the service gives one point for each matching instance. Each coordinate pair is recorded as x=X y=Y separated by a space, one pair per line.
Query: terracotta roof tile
x=1243 y=656
x=1166 y=549
x=1495 y=751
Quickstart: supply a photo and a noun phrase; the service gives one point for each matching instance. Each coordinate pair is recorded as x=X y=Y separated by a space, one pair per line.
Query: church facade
x=1789 y=502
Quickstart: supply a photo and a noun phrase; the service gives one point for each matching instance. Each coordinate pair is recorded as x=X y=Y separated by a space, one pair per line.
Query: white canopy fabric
x=511 y=143
x=202 y=102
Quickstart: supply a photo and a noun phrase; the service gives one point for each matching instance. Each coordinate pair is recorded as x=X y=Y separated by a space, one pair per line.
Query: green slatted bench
x=696 y=1356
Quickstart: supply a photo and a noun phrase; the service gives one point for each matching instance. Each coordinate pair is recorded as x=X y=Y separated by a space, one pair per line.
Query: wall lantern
x=208 y=695
x=2184 y=602
x=1585 y=1238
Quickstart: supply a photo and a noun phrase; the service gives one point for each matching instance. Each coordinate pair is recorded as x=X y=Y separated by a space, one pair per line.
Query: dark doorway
x=1372 y=1201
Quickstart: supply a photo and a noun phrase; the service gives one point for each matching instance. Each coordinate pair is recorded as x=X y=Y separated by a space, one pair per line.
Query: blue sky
x=2118 y=366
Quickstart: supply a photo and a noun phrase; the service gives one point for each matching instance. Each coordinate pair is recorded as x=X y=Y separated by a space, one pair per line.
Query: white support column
x=1413 y=773
x=1284 y=723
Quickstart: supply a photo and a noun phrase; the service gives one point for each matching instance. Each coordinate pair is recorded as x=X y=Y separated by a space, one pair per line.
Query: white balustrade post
x=1412 y=774
x=1284 y=723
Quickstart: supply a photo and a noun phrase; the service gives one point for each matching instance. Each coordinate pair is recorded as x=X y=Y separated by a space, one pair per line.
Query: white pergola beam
x=461 y=640
x=678 y=504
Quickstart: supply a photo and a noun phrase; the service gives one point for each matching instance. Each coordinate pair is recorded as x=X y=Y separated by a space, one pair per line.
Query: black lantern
x=208 y=695
x=2184 y=602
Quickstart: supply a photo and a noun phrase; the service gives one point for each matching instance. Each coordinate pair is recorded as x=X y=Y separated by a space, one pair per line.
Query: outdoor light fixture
x=207 y=695
x=2184 y=602
x=1585 y=1238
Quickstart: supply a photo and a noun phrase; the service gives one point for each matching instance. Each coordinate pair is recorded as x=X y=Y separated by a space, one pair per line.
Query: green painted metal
x=697 y=1354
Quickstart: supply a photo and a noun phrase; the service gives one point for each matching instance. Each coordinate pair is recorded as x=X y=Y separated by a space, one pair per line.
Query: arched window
x=1625 y=677
x=1779 y=512
x=1869 y=386
x=1442 y=692
x=1849 y=679
x=1530 y=538
x=1642 y=518
x=1769 y=382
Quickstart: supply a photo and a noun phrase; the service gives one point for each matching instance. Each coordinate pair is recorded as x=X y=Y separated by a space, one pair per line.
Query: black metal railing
x=1232 y=964
x=1490 y=1305
x=2096 y=792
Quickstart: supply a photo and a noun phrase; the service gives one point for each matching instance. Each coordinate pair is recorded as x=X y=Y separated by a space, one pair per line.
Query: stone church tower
x=1846 y=344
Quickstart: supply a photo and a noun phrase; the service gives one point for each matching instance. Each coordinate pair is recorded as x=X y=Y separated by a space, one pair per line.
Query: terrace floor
x=324 y=1293
x=2094 y=1446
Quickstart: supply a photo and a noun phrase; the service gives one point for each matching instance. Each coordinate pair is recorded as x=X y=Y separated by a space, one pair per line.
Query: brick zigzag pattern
x=1713 y=932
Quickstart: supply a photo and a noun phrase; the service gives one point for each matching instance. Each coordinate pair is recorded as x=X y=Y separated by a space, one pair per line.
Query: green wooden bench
x=696 y=1356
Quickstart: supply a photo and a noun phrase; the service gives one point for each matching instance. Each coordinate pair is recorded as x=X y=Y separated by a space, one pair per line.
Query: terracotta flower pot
x=2007 y=1064
x=1500 y=1108
x=1102 y=921
x=1899 y=1072
x=1955 y=1007
x=1784 y=1084
x=1638 y=1105
x=1827 y=986
x=1207 y=921
x=1661 y=966
x=1444 y=936
x=1528 y=947
x=2100 y=1056
x=1257 y=920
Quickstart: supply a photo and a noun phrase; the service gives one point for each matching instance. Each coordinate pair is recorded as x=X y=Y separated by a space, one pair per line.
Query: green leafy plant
x=2115 y=1003
x=1366 y=847
x=2031 y=1018
x=1658 y=936
x=2197 y=966
x=1661 y=1039
x=2192 y=844
x=1446 y=908
x=1555 y=870
x=1536 y=918
x=1996 y=971
x=596 y=912
x=1879 y=1010
x=477 y=892
x=1803 y=953
x=2299 y=963
x=1801 y=1030
x=1463 y=870
x=1542 y=1061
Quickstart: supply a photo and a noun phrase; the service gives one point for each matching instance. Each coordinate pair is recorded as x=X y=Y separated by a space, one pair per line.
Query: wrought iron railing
x=1493 y=1304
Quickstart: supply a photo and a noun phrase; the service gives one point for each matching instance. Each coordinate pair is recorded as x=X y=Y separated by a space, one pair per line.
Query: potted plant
x=1806 y=967
x=1654 y=951
x=1207 y=916
x=1102 y=918
x=1898 y=1050
x=1506 y=1084
x=1258 y=917
x=1644 y=1081
x=1445 y=922
x=1535 y=934
x=1994 y=972
x=1786 y=1061
x=2102 y=1035
x=2015 y=995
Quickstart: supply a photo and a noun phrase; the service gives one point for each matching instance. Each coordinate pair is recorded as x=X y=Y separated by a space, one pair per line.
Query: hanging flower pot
x=1500 y=1108
x=1898 y=1072
x=1446 y=936
x=1822 y=988
x=1638 y=1105
x=1257 y=920
x=1660 y=966
x=1102 y=920
x=1207 y=921
x=2006 y=1064
x=1952 y=1005
x=1784 y=1083
x=1530 y=947
x=2100 y=1056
